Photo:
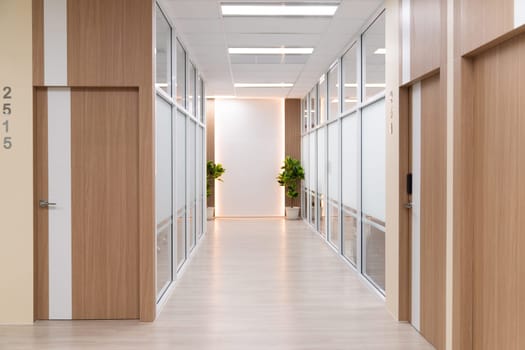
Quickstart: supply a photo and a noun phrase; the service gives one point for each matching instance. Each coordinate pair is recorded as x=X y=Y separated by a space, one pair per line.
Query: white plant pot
x=210 y=213
x=292 y=213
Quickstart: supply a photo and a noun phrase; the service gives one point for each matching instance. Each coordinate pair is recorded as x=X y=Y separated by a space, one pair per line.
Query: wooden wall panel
x=499 y=198
x=109 y=42
x=433 y=212
x=41 y=223
x=425 y=37
x=483 y=21
x=105 y=202
x=210 y=142
x=38 y=42
x=463 y=174
x=292 y=133
x=404 y=244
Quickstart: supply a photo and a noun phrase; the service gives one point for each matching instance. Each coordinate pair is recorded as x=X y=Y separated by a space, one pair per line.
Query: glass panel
x=305 y=160
x=305 y=114
x=163 y=53
x=180 y=181
x=191 y=185
x=374 y=58
x=323 y=91
x=350 y=234
x=191 y=89
x=373 y=160
x=373 y=182
x=333 y=95
x=313 y=208
x=350 y=87
x=199 y=177
x=313 y=107
x=163 y=190
x=374 y=254
x=199 y=99
x=333 y=184
x=350 y=187
x=305 y=205
x=321 y=178
x=312 y=164
x=181 y=75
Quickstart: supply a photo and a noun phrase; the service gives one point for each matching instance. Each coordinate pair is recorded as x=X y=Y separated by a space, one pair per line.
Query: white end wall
x=249 y=143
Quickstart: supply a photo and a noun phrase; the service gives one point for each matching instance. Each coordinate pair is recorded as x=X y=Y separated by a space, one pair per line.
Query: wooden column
x=210 y=142
x=292 y=132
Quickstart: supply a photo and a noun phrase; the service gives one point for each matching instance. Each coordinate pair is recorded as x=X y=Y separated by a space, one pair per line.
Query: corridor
x=251 y=284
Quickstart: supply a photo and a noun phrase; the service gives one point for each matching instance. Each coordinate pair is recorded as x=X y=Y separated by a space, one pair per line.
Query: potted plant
x=213 y=172
x=290 y=177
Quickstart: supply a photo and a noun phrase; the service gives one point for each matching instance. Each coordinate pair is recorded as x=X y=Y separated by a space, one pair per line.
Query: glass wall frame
x=347 y=218
x=187 y=198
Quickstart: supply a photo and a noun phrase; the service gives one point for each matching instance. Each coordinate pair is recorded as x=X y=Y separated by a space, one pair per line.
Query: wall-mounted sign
x=7 y=114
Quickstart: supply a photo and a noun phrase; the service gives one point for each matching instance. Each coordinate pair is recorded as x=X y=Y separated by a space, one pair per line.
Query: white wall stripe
x=519 y=13
x=59 y=160
x=55 y=42
x=405 y=25
x=416 y=205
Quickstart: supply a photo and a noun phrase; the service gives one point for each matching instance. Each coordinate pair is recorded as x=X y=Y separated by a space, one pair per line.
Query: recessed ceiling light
x=380 y=51
x=270 y=50
x=263 y=85
x=279 y=10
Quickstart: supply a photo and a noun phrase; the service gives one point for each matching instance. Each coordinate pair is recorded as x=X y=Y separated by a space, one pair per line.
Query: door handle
x=44 y=204
x=408 y=205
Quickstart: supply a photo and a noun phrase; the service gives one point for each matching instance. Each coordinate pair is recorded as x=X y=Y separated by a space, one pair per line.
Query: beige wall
x=16 y=164
x=392 y=259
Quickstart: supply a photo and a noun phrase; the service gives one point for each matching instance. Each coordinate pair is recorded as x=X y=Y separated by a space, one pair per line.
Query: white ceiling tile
x=211 y=26
x=358 y=9
x=262 y=92
x=266 y=67
x=192 y=9
x=265 y=77
x=272 y=40
x=276 y=25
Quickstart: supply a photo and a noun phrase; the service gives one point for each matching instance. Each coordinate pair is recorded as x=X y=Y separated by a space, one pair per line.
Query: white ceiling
x=207 y=36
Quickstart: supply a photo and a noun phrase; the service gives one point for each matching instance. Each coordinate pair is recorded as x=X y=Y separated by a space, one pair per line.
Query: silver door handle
x=408 y=205
x=44 y=204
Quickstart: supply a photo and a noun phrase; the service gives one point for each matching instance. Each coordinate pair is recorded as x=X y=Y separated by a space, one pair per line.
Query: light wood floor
x=263 y=284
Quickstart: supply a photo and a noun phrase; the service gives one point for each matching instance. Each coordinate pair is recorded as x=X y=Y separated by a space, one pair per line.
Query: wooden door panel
x=41 y=251
x=105 y=239
x=433 y=213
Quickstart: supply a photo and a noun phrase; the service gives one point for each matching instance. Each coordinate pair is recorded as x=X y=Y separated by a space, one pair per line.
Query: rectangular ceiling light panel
x=261 y=9
x=271 y=51
x=263 y=85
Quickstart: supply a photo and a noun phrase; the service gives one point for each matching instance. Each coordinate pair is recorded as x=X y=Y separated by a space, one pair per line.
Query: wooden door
x=92 y=271
x=428 y=215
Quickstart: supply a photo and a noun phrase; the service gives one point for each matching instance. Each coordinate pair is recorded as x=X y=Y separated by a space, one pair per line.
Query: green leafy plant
x=213 y=172
x=290 y=177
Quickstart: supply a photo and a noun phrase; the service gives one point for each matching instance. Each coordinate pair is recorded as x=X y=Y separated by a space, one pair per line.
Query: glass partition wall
x=343 y=153
x=179 y=171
